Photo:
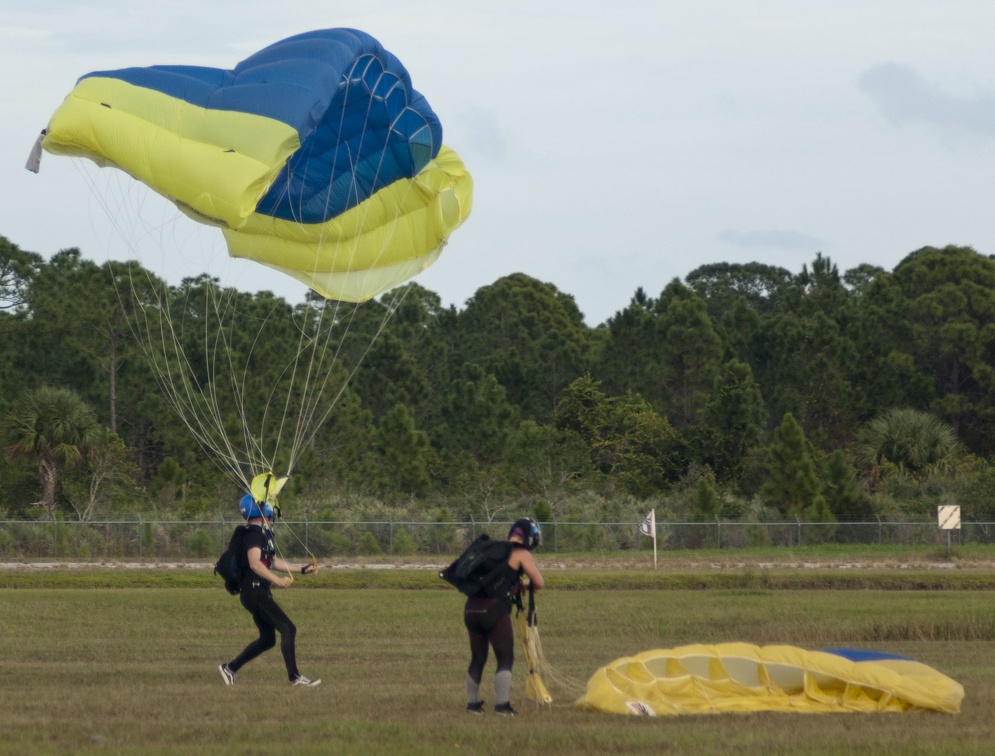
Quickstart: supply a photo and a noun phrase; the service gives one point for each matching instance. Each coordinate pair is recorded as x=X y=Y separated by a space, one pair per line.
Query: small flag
x=648 y=526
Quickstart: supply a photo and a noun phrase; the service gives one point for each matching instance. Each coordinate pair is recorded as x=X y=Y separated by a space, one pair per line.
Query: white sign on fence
x=948 y=516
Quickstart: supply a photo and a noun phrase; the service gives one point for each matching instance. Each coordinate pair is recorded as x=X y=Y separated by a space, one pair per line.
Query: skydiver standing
x=488 y=622
x=258 y=563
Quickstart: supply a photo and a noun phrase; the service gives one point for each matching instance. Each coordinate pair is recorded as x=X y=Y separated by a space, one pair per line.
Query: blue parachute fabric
x=858 y=655
x=361 y=124
x=193 y=84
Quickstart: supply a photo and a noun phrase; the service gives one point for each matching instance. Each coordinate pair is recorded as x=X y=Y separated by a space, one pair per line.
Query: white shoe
x=226 y=674
x=305 y=682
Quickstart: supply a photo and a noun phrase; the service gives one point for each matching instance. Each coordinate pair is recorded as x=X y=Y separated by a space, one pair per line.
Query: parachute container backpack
x=229 y=564
x=480 y=570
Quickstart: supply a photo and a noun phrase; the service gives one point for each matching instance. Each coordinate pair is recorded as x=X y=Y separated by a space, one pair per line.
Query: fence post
x=880 y=529
x=718 y=532
x=141 y=537
x=390 y=534
x=798 y=520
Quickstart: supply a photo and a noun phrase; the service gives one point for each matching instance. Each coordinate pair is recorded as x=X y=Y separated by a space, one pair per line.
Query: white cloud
x=906 y=97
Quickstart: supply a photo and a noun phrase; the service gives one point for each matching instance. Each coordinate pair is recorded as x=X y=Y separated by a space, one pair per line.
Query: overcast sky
x=613 y=145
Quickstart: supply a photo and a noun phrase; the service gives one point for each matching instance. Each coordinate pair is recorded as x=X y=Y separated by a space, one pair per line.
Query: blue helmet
x=528 y=530
x=251 y=510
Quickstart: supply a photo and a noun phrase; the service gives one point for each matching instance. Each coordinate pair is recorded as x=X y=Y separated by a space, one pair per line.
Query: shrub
x=403 y=544
x=201 y=543
x=369 y=545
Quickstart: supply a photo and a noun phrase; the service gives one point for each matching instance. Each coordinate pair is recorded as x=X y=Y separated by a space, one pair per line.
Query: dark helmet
x=528 y=530
x=251 y=510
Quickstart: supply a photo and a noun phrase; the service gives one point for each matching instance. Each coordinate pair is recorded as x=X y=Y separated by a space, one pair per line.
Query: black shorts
x=481 y=615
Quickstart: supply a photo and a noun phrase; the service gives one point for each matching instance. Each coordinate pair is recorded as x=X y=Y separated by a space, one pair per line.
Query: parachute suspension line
x=311 y=555
x=309 y=343
x=317 y=372
x=565 y=682
x=308 y=378
x=195 y=401
x=159 y=331
x=139 y=322
x=532 y=642
x=226 y=314
x=306 y=436
x=156 y=333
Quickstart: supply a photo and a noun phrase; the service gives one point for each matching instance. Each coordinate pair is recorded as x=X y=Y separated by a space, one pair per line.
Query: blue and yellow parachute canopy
x=316 y=156
x=740 y=677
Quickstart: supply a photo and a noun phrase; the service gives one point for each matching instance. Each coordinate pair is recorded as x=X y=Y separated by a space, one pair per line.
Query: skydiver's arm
x=255 y=555
x=285 y=566
x=529 y=567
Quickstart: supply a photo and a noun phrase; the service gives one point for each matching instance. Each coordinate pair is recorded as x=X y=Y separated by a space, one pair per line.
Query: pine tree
x=793 y=484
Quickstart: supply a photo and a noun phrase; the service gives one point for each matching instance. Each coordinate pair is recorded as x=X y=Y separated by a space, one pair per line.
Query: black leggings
x=488 y=622
x=269 y=618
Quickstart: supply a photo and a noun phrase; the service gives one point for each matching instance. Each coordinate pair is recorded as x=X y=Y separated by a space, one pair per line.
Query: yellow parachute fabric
x=535 y=688
x=214 y=164
x=739 y=677
x=266 y=487
x=389 y=238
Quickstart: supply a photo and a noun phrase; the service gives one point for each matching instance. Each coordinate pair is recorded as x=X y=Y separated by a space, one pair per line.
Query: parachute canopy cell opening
x=739 y=677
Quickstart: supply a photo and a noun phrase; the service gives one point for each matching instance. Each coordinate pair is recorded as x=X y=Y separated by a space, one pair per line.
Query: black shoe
x=477 y=707
x=505 y=710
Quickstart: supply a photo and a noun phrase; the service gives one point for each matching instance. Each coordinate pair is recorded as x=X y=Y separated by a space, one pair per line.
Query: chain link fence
x=203 y=539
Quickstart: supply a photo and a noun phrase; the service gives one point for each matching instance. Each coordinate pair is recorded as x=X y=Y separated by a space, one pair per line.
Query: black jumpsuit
x=257 y=598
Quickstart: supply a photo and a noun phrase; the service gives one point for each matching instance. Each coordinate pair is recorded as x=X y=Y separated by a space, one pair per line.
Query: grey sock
x=472 y=690
x=502 y=686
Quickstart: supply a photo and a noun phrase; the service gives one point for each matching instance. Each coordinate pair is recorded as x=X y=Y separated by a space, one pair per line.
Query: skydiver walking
x=488 y=621
x=259 y=561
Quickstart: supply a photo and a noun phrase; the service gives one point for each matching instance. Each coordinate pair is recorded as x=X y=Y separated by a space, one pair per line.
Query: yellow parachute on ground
x=740 y=677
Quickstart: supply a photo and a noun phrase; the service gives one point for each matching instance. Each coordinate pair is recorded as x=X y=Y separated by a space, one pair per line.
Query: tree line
x=743 y=391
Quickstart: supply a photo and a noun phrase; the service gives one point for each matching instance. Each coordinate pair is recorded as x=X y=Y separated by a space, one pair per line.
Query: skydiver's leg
x=265 y=641
x=478 y=659
x=472 y=689
x=473 y=613
x=273 y=616
x=502 y=687
x=502 y=638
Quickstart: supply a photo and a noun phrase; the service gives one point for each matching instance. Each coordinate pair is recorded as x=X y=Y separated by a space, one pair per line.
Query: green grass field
x=125 y=662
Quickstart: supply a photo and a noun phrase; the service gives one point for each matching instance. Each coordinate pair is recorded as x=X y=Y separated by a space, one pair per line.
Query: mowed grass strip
x=564 y=578
x=133 y=670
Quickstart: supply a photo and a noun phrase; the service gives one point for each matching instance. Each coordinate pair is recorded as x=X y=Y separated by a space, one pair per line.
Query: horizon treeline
x=743 y=391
